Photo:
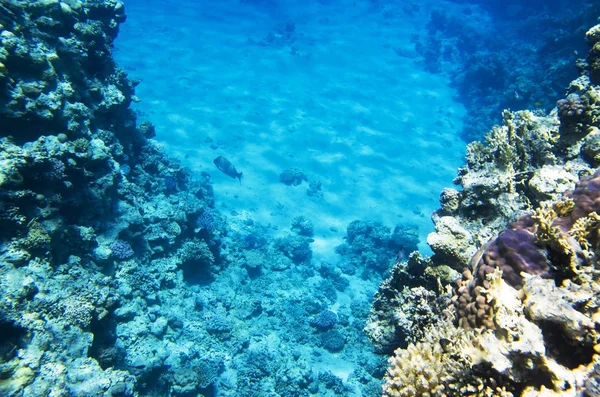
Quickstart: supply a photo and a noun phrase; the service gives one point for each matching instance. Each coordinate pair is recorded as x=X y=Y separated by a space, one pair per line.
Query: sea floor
x=332 y=88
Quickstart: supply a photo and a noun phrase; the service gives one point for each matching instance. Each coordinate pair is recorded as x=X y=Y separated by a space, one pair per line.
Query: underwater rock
x=591 y=147
x=48 y=80
x=593 y=58
x=449 y=200
x=402 y=310
x=549 y=181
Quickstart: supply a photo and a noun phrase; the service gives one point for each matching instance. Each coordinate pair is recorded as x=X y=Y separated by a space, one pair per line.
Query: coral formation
x=593 y=59
x=324 y=320
x=65 y=85
x=522 y=319
x=292 y=176
x=121 y=249
x=303 y=226
x=372 y=247
x=118 y=274
x=571 y=108
x=402 y=310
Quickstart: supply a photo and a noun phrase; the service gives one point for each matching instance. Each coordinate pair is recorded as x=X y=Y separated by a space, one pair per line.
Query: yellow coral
x=553 y=236
x=427 y=368
x=563 y=207
x=440 y=366
x=544 y=231
x=586 y=230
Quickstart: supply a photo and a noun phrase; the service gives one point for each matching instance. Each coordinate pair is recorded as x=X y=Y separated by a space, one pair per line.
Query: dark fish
x=227 y=168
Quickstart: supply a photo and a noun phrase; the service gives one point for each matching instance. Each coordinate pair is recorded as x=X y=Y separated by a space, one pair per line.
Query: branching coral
x=445 y=363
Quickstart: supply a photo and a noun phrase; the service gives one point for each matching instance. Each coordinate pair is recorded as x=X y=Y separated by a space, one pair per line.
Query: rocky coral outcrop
x=541 y=344
x=530 y=159
x=58 y=75
x=85 y=199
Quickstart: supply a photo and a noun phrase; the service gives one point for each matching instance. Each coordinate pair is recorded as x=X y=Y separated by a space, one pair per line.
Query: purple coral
x=514 y=251
x=586 y=196
x=121 y=249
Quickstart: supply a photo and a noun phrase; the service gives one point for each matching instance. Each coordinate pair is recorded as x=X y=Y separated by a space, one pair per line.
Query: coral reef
x=303 y=226
x=529 y=159
x=593 y=59
x=540 y=344
x=65 y=85
x=372 y=247
x=523 y=317
x=407 y=303
x=119 y=276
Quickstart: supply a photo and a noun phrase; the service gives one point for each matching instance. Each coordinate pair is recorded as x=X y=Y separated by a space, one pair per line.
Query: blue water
x=339 y=97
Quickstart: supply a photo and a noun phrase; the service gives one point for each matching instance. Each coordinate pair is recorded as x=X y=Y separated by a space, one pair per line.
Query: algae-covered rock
x=591 y=147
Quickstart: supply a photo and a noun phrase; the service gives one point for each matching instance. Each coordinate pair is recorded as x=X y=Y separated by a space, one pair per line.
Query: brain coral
x=586 y=199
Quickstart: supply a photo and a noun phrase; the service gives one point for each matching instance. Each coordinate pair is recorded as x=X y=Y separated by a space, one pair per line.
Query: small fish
x=517 y=96
x=227 y=168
